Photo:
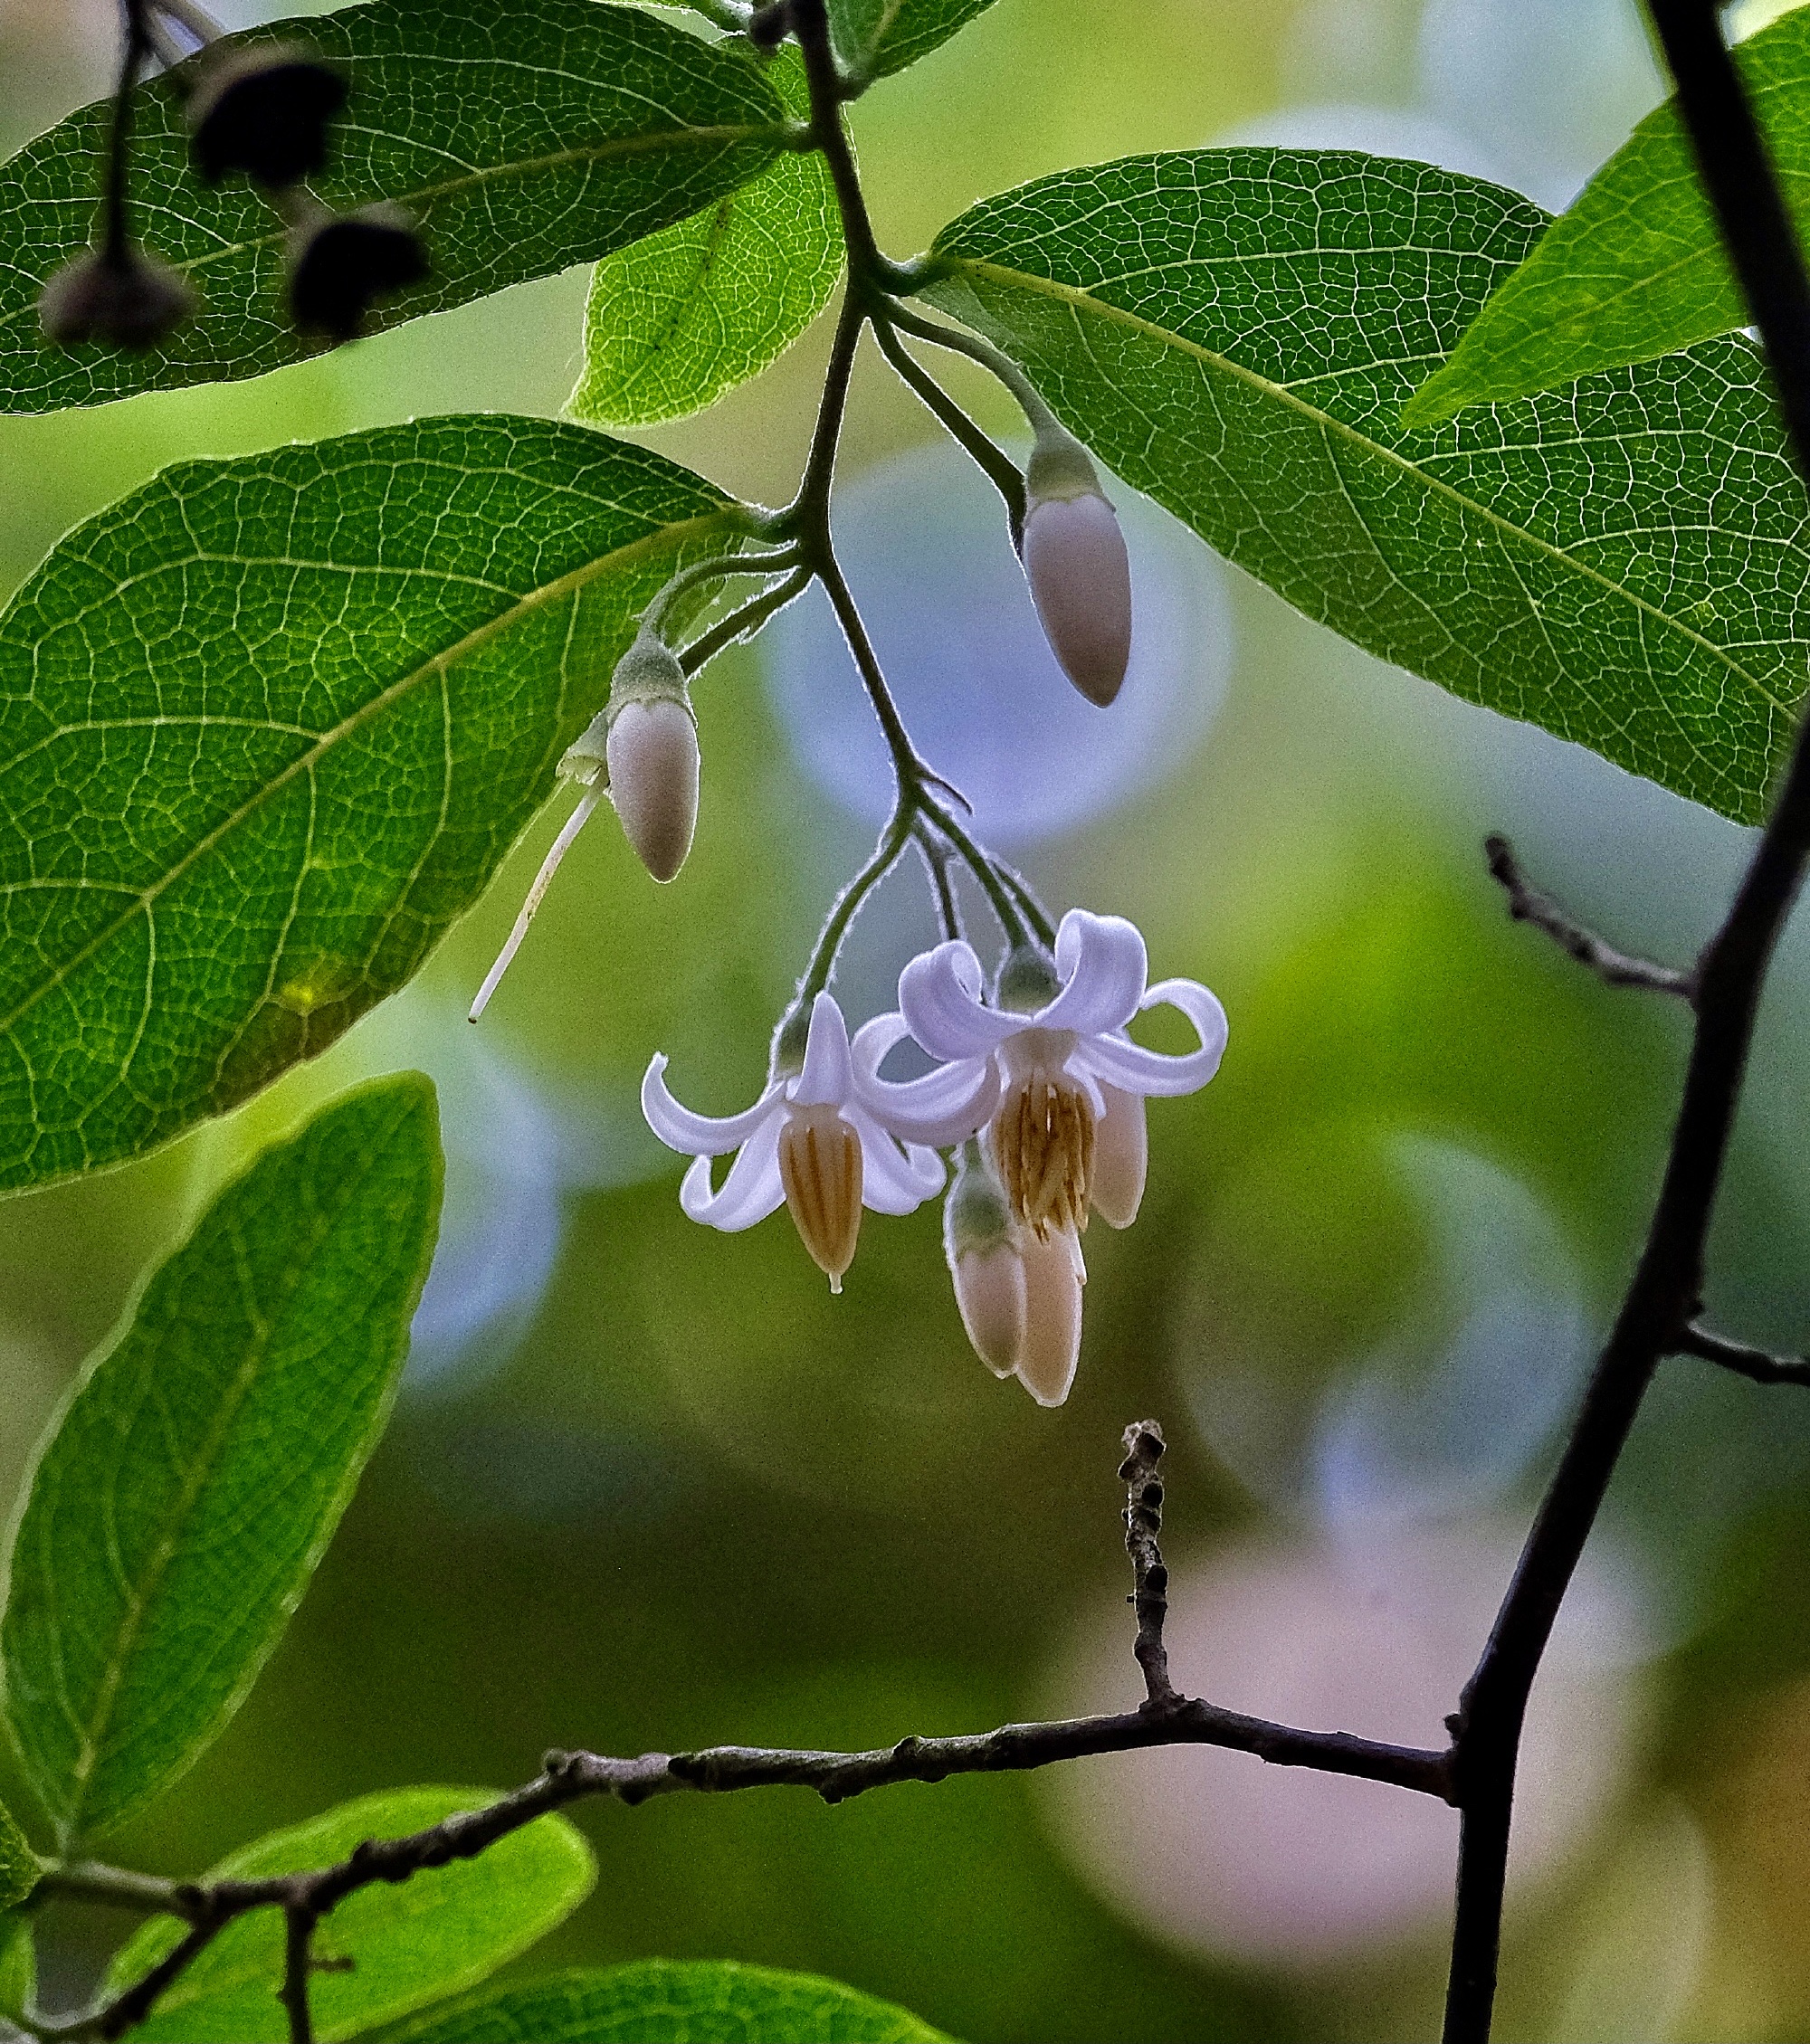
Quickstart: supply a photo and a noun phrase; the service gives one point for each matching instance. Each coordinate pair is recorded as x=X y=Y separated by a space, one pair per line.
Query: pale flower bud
x=1121 y=1155
x=1052 y=1282
x=1077 y=565
x=980 y=1243
x=645 y=743
x=653 y=755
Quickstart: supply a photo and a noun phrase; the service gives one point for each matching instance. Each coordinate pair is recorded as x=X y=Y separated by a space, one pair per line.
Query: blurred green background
x=651 y=1487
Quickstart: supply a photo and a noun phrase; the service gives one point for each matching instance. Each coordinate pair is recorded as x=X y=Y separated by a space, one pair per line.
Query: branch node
x=1144 y=1448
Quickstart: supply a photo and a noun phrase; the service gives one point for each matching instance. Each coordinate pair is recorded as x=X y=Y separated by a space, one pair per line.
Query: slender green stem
x=999 y=898
x=936 y=858
x=998 y=467
x=740 y=623
x=893 y=840
x=976 y=350
x=716 y=569
x=1033 y=909
x=119 y=1888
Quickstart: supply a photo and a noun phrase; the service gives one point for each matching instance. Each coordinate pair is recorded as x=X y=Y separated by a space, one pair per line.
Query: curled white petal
x=752 y=1190
x=1118 y=1062
x=940 y=997
x=696 y=1135
x=893 y=1180
x=828 y=1076
x=944 y=1106
x=1103 y=965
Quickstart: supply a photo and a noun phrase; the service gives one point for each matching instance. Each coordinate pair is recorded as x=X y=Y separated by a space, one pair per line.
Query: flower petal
x=828 y=1076
x=1119 y=1062
x=696 y=1135
x=1052 y=1318
x=944 y=1106
x=752 y=1190
x=1103 y=966
x=939 y=997
x=893 y=1180
x=1122 y=1158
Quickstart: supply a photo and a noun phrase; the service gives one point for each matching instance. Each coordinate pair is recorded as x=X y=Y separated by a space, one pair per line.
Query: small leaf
x=668 y=2001
x=1635 y=269
x=1236 y=332
x=522 y=139
x=875 y=38
x=435 y=1935
x=186 y=1495
x=267 y=727
x=677 y=319
x=19 y=1867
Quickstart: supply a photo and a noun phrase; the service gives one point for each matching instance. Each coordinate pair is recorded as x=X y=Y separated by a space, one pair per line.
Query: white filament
x=543 y=879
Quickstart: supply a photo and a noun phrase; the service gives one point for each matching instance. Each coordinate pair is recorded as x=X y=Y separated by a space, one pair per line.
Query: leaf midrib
x=673 y=535
x=206 y=1459
x=949 y=261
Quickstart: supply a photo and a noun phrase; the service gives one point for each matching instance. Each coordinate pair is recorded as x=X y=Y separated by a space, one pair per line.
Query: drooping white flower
x=811 y=1141
x=1068 y=1133
x=1019 y=1299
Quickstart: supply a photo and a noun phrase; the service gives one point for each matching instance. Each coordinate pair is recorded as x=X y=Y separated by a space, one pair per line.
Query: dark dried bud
x=340 y=266
x=265 y=111
x=128 y=301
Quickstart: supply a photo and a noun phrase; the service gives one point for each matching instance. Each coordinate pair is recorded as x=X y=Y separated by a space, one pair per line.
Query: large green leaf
x=678 y=318
x=874 y=38
x=18 y=1965
x=1635 y=269
x=268 y=726
x=190 y=1487
x=19 y=1867
x=433 y=1935
x=666 y=2001
x=1235 y=331
x=524 y=138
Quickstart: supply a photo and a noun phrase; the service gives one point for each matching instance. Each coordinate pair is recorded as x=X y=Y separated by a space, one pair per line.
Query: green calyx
x=1027 y=980
x=1060 y=469
x=975 y=1217
x=648 y=672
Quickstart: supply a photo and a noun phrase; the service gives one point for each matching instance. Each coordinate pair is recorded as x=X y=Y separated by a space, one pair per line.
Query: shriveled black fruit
x=129 y=301
x=266 y=112
x=340 y=266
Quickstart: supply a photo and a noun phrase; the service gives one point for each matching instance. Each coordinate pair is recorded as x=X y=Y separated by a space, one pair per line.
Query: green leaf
x=1635 y=269
x=687 y=314
x=523 y=138
x=183 y=1497
x=1235 y=331
x=18 y=1965
x=666 y=2001
x=19 y=1867
x=435 y=1935
x=267 y=728
x=874 y=38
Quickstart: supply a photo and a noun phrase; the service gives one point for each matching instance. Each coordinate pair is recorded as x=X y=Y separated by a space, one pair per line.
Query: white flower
x=1019 y=1299
x=810 y=1140
x=1069 y=1130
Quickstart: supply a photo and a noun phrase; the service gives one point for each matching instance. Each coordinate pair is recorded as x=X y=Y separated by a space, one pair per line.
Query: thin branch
x=936 y=863
x=1165 y=1719
x=1528 y=904
x=135 y=49
x=298 y=1922
x=1758 y=1364
x=1143 y=1522
x=1663 y=1298
x=993 y=461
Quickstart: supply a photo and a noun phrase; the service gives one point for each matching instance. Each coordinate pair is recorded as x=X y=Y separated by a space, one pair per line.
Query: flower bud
x=1053 y=1292
x=1121 y=1156
x=343 y=263
x=265 y=111
x=653 y=755
x=1076 y=564
x=131 y=302
x=981 y=1246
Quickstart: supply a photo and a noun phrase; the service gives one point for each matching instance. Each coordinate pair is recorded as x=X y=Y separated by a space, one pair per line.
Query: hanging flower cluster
x=1040 y=1087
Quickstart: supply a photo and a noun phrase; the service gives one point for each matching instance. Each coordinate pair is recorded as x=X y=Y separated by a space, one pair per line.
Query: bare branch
x=1165 y=1719
x=1758 y=1363
x=1528 y=904
x=1143 y=1522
